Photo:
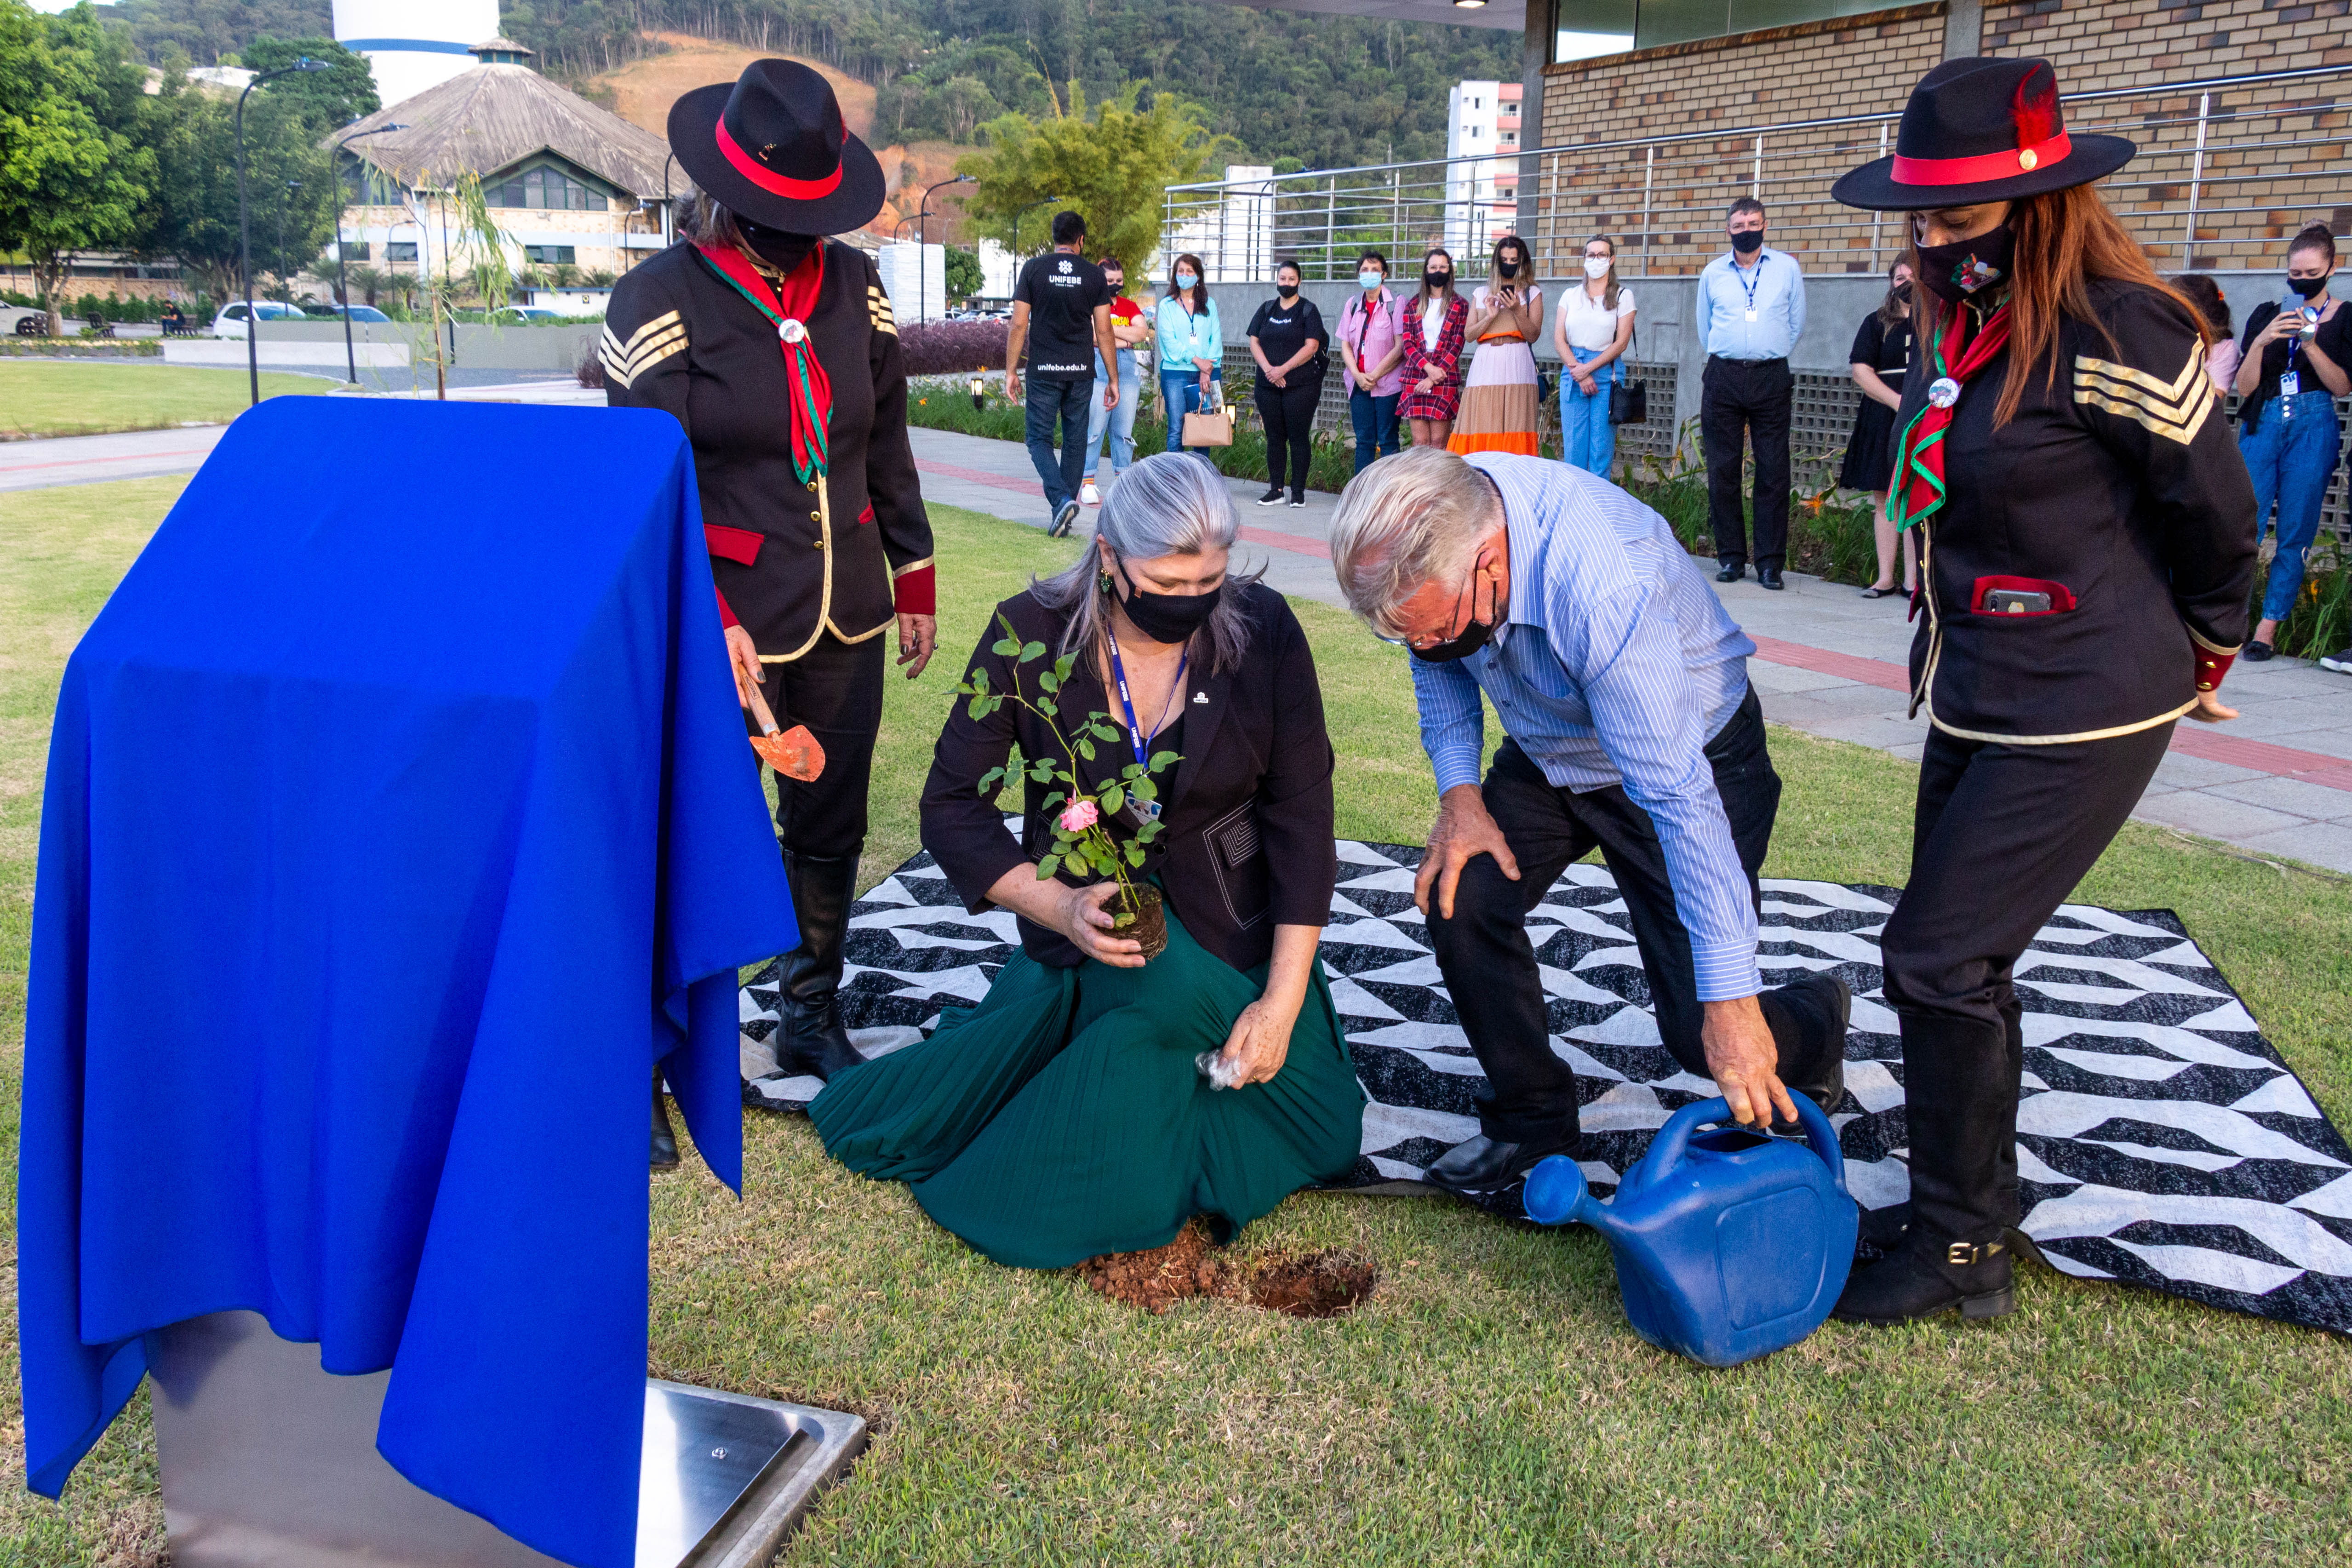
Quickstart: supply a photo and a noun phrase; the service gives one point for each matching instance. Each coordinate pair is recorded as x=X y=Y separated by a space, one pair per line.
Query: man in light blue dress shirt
x=1751 y=310
x=1622 y=686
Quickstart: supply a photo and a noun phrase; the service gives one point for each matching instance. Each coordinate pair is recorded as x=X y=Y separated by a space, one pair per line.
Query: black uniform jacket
x=792 y=560
x=1248 y=844
x=2117 y=490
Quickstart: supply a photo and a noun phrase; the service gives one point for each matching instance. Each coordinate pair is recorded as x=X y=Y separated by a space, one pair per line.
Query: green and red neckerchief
x=1919 y=490
x=787 y=308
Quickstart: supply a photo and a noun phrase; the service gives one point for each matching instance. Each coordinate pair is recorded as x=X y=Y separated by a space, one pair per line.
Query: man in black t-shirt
x=1061 y=310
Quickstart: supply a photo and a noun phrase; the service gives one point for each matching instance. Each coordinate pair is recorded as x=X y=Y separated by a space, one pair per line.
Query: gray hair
x=1170 y=504
x=703 y=220
x=1412 y=517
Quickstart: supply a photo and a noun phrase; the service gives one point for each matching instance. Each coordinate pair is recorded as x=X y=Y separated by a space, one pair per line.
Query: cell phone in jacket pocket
x=2016 y=602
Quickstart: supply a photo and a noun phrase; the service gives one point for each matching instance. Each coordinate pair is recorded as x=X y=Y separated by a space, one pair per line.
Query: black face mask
x=1903 y=292
x=1506 y=269
x=1287 y=291
x=1436 y=281
x=1472 y=637
x=780 y=251
x=1967 y=267
x=1169 y=617
x=2309 y=288
x=1748 y=241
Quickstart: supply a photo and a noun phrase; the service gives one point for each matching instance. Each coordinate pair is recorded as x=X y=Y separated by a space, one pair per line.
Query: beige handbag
x=1213 y=426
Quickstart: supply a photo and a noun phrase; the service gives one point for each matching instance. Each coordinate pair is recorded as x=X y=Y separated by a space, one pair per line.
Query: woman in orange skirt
x=1498 y=397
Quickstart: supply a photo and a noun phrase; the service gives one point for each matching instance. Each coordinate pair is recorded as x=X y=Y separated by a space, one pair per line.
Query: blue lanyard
x=1750 y=288
x=1136 y=739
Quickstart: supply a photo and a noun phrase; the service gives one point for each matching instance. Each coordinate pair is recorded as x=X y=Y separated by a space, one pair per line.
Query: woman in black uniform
x=2086 y=535
x=1286 y=337
x=1880 y=354
x=777 y=350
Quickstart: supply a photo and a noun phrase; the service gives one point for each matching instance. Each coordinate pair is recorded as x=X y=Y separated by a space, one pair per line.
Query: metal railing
x=2228 y=169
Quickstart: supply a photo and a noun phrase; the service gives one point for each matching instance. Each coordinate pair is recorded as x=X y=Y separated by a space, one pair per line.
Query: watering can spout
x=1556 y=1194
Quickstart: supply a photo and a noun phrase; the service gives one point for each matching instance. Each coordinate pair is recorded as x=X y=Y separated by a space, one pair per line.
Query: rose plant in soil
x=1085 y=840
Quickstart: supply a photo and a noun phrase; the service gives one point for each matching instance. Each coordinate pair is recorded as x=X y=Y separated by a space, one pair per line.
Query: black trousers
x=1288 y=413
x=1999 y=837
x=1750 y=400
x=1490 y=967
x=835 y=688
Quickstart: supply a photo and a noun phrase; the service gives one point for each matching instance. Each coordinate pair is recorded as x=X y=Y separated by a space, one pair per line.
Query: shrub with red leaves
x=949 y=348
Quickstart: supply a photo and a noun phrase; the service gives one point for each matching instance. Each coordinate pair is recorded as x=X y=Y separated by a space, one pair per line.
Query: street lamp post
x=342 y=287
x=245 y=227
x=922 y=238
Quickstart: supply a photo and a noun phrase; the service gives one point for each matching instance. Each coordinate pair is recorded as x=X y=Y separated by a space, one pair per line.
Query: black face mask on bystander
x=1166 y=617
x=779 y=249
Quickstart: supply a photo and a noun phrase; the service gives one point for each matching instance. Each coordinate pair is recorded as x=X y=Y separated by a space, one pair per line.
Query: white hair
x=1170 y=504
x=1412 y=517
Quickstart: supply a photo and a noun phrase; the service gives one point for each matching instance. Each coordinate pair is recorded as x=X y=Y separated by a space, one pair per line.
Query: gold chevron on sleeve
x=2175 y=410
x=877 y=308
x=650 y=344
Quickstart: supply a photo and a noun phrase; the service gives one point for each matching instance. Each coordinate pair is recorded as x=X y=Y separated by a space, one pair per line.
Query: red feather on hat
x=2035 y=110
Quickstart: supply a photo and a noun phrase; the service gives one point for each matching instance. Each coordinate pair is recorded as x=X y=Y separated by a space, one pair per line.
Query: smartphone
x=2016 y=602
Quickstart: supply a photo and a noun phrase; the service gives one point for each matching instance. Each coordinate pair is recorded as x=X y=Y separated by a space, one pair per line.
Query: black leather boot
x=1808 y=1020
x=1961 y=1105
x=809 y=1036
x=664 y=1157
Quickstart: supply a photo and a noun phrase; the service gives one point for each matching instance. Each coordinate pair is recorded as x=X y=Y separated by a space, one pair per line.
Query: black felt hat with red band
x=1981 y=131
x=771 y=147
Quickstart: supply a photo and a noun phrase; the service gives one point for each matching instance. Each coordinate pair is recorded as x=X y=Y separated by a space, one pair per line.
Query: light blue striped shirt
x=1615 y=665
x=1181 y=336
x=1780 y=287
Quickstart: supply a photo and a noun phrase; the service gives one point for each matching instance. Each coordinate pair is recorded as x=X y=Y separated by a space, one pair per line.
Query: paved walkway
x=2278 y=780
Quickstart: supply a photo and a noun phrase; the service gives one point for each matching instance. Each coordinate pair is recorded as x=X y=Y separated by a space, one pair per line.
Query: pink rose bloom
x=1078 y=816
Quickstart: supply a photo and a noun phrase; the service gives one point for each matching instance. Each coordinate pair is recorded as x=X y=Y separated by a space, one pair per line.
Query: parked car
x=337 y=312
x=230 y=323
x=526 y=313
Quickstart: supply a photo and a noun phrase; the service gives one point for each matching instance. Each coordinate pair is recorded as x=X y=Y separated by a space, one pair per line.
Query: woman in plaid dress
x=1434 y=320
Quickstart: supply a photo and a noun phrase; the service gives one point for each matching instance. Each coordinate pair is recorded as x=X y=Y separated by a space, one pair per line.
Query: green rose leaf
x=1161 y=759
x=1005 y=647
x=1032 y=650
x=978 y=709
x=1048 y=681
x=1112 y=797
x=1135 y=854
x=1144 y=789
x=1087 y=750
x=1047 y=867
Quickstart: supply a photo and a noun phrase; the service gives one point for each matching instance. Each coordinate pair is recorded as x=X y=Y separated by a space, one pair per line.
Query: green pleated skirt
x=1064 y=1117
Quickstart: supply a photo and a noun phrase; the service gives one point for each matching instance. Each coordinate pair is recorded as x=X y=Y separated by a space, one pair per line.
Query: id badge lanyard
x=1751 y=288
x=1136 y=739
x=2290 y=378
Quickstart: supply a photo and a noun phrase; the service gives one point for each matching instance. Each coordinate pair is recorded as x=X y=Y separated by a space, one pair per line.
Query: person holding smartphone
x=2291 y=370
x=2087 y=545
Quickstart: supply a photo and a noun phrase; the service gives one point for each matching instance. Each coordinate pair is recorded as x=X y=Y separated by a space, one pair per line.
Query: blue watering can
x=1729 y=1244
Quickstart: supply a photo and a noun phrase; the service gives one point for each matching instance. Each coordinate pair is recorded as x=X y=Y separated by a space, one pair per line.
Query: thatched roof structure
x=494 y=116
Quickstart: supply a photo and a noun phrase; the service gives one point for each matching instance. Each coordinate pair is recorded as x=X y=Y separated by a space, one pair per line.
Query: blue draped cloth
x=400 y=818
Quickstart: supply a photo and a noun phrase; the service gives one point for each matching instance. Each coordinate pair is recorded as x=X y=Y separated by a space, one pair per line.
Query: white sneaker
x=2339 y=662
x=1088 y=495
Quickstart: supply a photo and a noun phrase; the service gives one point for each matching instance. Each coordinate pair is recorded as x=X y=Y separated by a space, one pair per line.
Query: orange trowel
x=793 y=752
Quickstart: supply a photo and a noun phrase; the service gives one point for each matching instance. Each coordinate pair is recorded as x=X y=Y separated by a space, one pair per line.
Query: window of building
x=551 y=255
x=400 y=250
x=546 y=188
x=354 y=250
x=1582 y=30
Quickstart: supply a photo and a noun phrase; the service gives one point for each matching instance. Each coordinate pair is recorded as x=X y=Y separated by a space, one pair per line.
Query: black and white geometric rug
x=2161 y=1141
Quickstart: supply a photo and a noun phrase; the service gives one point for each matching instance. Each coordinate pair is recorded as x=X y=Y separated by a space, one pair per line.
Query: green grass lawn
x=1488 y=1405
x=92 y=397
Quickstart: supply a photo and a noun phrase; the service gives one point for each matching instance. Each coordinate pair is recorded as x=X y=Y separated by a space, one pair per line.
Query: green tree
x=1111 y=163
x=964 y=277
x=72 y=175
x=341 y=93
x=291 y=195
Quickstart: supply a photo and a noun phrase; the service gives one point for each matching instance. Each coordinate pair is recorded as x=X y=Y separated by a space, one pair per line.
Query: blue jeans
x=1118 y=423
x=1180 y=394
x=1587 y=439
x=1065 y=401
x=2291 y=456
x=1375 y=426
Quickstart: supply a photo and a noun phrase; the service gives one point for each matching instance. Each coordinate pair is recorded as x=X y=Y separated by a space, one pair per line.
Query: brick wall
x=1817 y=70
x=2250 y=198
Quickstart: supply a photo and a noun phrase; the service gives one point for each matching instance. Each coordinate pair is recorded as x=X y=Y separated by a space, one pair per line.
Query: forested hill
x=1323 y=91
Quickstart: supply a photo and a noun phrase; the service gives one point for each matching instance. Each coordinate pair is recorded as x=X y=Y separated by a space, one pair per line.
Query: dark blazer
x=1249 y=843
x=792 y=560
x=2118 y=491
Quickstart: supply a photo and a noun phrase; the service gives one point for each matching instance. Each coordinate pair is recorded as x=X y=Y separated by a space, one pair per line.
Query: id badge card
x=2291 y=384
x=1751 y=313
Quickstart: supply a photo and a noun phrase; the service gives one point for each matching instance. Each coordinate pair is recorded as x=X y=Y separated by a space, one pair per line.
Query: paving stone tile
x=2300 y=797
x=2183 y=772
x=1769 y=677
x=2327 y=844
x=2195 y=811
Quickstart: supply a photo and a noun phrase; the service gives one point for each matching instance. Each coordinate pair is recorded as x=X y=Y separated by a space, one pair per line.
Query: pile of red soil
x=1313 y=1285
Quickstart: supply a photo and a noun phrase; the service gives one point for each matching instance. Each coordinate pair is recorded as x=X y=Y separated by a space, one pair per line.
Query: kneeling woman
x=1065 y=1116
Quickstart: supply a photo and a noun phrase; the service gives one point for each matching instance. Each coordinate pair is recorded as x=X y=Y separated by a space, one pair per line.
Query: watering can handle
x=1672 y=1139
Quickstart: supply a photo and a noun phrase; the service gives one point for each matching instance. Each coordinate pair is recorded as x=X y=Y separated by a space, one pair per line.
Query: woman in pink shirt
x=1373 y=356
